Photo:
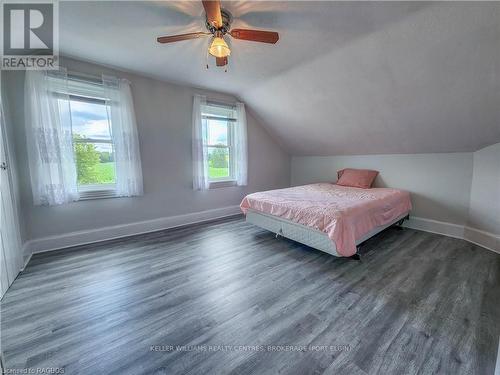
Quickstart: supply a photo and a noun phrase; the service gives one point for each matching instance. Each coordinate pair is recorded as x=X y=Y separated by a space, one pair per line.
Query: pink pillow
x=361 y=178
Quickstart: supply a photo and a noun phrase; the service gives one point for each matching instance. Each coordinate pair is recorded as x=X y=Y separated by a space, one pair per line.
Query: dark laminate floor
x=417 y=303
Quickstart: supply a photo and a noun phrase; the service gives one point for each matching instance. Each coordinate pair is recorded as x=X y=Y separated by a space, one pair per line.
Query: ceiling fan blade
x=212 y=9
x=180 y=37
x=255 y=35
x=221 y=61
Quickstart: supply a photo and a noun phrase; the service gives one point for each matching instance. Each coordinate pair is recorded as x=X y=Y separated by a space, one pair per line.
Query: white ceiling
x=344 y=78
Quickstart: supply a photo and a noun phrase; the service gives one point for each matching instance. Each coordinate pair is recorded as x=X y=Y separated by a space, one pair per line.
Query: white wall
x=163 y=113
x=439 y=183
x=484 y=211
x=484 y=207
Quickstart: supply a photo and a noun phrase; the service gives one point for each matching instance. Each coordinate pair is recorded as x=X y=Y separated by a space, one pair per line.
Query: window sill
x=222 y=184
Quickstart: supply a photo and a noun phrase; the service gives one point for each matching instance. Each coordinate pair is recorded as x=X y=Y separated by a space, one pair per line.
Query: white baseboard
x=497 y=367
x=27 y=255
x=484 y=239
x=118 y=231
x=435 y=226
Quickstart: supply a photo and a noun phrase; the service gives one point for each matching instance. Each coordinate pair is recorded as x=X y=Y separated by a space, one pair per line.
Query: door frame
x=16 y=255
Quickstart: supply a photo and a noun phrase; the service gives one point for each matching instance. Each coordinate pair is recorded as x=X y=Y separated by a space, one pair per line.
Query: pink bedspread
x=345 y=214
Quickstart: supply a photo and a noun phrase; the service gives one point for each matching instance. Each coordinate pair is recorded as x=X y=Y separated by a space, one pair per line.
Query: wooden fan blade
x=180 y=37
x=255 y=35
x=221 y=61
x=212 y=9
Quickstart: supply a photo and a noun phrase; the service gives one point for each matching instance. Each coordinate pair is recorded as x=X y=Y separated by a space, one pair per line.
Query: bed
x=331 y=218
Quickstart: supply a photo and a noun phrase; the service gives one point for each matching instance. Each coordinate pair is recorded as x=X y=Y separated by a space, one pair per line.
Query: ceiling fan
x=218 y=23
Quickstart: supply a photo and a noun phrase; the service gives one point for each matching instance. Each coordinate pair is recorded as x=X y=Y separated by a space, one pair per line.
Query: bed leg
x=355 y=257
x=399 y=224
x=278 y=235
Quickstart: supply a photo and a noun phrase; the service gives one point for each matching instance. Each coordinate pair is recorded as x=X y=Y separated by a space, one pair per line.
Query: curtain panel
x=200 y=152
x=49 y=138
x=120 y=107
x=241 y=147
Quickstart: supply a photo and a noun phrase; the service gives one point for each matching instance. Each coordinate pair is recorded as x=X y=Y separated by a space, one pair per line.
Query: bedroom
x=361 y=139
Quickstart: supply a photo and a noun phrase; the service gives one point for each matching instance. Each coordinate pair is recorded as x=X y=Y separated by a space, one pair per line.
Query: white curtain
x=120 y=108
x=200 y=152
x=240 y=143
x=49 y=138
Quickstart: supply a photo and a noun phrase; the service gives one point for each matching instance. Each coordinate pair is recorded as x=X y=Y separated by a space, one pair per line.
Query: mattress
x=344 y=214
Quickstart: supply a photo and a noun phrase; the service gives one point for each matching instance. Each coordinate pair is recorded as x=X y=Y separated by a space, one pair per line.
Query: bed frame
x=307 y=235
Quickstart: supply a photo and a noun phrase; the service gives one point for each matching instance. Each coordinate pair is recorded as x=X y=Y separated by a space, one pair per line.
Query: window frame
x=231 y=147
x=92 y=191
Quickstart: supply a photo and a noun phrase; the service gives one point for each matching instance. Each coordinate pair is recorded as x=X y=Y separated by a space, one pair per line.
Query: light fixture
x=219 y=47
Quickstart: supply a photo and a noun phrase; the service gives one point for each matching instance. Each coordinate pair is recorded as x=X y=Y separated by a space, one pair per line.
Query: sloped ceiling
x=345 y=77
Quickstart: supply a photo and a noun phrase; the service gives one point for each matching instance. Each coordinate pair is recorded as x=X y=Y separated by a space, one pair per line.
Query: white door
x=11 y=258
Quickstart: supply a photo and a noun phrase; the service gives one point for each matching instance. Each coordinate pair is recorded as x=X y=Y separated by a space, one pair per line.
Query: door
x=11 y=258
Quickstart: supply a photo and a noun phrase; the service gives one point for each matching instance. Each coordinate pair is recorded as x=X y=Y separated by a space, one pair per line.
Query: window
x=219 y=123
x=93 y=146
x=219 y=144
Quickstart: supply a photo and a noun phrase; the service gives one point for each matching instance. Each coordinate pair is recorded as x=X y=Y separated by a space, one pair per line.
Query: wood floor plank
x=236 y=300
